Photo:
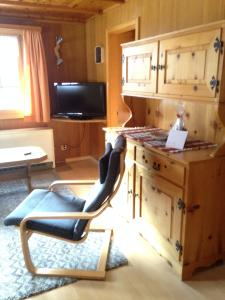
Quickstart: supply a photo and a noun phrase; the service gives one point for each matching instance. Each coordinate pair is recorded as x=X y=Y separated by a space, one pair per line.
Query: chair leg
x=99 y=273
x=104 y=252
x=24 y=236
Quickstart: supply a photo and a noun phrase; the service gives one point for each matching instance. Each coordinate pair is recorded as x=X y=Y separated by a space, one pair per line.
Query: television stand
x=78 y=135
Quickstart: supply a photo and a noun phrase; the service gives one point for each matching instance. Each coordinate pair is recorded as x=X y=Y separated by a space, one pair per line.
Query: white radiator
x=42 y=137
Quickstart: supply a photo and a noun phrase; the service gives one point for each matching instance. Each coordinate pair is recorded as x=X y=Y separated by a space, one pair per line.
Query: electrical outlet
x=63 y=147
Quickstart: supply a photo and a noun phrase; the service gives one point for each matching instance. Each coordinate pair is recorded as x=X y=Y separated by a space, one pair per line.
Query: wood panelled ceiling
x=56 y=10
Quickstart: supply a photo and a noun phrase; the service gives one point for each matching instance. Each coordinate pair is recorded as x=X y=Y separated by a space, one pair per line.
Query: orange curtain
x=35 y=78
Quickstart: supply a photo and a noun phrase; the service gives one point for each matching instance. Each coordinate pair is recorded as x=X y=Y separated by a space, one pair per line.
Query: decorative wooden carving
x=59 y=60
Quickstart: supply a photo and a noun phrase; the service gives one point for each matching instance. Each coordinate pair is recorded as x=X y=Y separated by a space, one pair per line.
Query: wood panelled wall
x=82 y=139
x=72 y=51
x=157 y=17
x=74 y=68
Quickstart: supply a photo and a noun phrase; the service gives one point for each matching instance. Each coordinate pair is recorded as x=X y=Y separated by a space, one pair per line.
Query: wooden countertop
x=186 y=157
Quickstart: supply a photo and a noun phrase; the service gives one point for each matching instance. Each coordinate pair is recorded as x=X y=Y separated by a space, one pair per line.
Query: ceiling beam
x=116 y=1
x=42 y=18
x=74 y=3
x=45 y=7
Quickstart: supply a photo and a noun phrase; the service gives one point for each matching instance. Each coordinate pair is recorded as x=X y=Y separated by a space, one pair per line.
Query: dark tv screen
x=79 y=100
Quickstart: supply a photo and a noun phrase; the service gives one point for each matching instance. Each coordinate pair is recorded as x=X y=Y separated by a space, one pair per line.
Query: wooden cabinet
x=188 y=65
x=177 y=202
x=161 y=213
x=182 y=65
x=139 y=64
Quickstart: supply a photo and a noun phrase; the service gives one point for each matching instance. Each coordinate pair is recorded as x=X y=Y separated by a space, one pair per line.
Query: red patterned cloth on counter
x=156 y=138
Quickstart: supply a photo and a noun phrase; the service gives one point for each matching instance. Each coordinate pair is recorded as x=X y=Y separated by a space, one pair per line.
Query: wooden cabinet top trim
x=190 y=30
x=174 y=97
x=184 y=158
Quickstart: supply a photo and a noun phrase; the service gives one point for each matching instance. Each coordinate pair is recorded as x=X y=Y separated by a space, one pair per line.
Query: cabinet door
x=139 y=68
x=188 y=65
x=130 y=205
x=123 y=201
x=161 y=213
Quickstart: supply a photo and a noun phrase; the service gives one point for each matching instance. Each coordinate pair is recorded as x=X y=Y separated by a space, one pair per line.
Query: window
x=11 y=104
x=23 y=74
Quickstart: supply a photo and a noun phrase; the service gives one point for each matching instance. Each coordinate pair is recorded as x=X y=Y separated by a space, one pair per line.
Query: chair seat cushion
x=45 y=201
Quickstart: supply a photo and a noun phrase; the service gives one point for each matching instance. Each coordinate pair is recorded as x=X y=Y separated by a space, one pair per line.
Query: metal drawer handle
x=156 y=166
x=161 y=67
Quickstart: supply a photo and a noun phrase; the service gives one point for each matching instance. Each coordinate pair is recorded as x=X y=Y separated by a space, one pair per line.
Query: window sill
x=11 y=114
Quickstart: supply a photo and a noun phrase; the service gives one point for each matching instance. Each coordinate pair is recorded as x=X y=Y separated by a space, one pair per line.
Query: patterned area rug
x=15 y=281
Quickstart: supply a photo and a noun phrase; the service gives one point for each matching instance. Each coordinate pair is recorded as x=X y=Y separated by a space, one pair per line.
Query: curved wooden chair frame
x=26 y=233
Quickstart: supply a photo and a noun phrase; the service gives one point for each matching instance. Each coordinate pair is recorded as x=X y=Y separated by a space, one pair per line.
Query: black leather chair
x=69 y=217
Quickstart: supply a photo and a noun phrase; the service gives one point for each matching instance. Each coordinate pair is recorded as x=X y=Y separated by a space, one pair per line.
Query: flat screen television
x=79 y=100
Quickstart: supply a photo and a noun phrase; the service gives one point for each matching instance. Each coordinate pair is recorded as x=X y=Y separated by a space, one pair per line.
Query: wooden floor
x=147 y=276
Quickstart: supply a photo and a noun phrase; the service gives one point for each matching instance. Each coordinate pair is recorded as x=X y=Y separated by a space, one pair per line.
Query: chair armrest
x=58 y=215
x=70 y=182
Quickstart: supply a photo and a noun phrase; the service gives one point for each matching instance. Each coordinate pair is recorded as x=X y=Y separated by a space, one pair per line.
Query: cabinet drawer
x=162 y=165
